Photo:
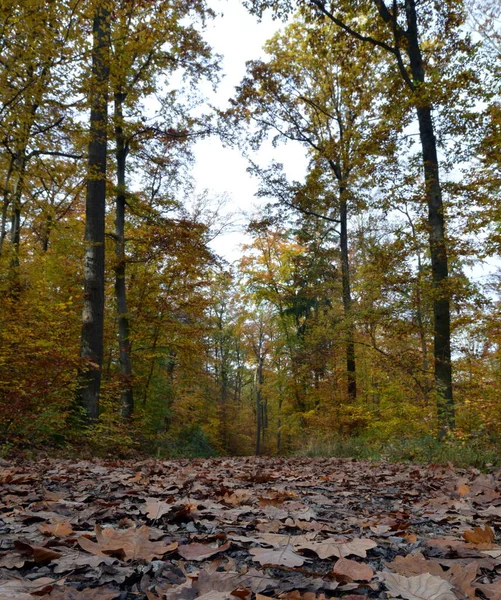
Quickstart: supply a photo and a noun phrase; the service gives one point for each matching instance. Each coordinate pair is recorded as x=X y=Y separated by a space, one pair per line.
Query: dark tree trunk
x=259 y=408
x=6 y=203
x=347 y=303
x=127 y=400
x=436 y=225
x=91 y=350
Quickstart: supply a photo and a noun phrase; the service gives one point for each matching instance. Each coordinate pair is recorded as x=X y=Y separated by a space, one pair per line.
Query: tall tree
x=426 y=43
x=91 y=351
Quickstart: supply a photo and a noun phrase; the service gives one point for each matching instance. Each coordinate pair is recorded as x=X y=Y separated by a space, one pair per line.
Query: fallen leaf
x=477 y=535
x=131 y=544
x=415 y=564
x=284 y=556
x=354 y=570
x=61 y=529
x=40 y=554
x=491 y=590
x=332 y=547
x=201 y=551
x=420 y=587
x=70 y=593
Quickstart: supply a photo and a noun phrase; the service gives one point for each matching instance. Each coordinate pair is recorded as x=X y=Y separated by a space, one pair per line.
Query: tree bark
x=127 y=396
x=91 y=350
x=347 y=302
x=436 y=225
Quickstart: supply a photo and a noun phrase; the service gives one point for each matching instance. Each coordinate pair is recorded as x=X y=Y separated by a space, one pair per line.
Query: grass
x=478 y=453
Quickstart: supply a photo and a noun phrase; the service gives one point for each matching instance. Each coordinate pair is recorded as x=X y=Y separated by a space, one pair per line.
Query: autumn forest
x=363 y=312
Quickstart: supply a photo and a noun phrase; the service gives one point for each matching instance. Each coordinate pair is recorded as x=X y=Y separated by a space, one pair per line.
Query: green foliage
x=190 y=442
x=476 y=451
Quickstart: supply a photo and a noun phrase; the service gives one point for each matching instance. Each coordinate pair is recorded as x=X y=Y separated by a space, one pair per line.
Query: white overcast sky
x=238 y=37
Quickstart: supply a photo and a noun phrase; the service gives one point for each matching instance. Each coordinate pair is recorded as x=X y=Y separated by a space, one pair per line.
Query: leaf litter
x=248 y=528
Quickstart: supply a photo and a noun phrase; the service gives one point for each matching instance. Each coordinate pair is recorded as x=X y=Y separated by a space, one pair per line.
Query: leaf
x=61 y=529
x=415 y=564
x=131 y=544
x=354 y=570
x=284 y=556
x=420 y=587
x=462 y=578
x=156 y=509
x=491 y=590
x=39 y=553
x=201 y=551
x=477 y=535
x=21 y=589
x=70 y=593
x=332 y=547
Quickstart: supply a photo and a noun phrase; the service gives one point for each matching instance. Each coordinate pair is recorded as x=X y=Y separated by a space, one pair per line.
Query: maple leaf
x=332 y=547
x=284 y=556
x=131 y=544
x=420 y=587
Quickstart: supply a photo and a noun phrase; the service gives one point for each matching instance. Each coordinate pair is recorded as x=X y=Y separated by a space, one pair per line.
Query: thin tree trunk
x=259 y=410
x=347 y=301
x=6 y=203
x=15 y=231
x=127 y=400
x=436 y=225
x=93 y=306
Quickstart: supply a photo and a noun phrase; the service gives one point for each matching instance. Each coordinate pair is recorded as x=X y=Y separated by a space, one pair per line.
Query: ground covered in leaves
x=245 y=528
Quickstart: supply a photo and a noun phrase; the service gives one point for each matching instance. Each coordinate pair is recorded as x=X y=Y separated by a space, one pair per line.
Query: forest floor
x=245 y=528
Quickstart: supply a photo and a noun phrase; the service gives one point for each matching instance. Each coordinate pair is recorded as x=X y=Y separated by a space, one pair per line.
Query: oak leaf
x=131 y=544
x=477 y=535
x=61 y=529
x=40 y=554
x=283 y=556
x=420 y=587
x=332 y=547
x=415 y=564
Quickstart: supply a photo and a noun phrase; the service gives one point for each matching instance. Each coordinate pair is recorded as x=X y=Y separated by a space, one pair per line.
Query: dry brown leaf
x=462 y=577
x=477 y=535
x=201 y=551
x=284 y=556
x=463 y=489
x=40 y=554
x=420 y=587
x=491 y=590
x=156 y=509
x=415 y=564
x=70 y=593
x=61 y=529
x=297 y=595
x=22 y=589
x=354 y=570
x=332 y=547
x=131 y=544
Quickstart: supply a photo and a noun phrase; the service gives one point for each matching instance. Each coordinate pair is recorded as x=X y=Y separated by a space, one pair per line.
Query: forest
x=362 y=317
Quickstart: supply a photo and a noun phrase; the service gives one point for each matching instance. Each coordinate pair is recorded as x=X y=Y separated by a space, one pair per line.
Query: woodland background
x=353 y=322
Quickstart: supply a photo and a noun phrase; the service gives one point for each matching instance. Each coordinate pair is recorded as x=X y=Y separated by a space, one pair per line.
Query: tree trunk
x=127 y=399
x=347 y=303
x=6 y=203
x=436 y=225
x=93 y=303
x=259 y=409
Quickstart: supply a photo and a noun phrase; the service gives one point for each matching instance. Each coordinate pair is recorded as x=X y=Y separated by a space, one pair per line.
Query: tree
x=426 y=45
x=91 y=351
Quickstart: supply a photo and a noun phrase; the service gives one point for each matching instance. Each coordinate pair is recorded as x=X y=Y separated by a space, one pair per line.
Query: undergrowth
x=474 y=452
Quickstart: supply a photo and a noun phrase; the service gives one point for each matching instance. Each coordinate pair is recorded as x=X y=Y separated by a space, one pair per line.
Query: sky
x=238 y=37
